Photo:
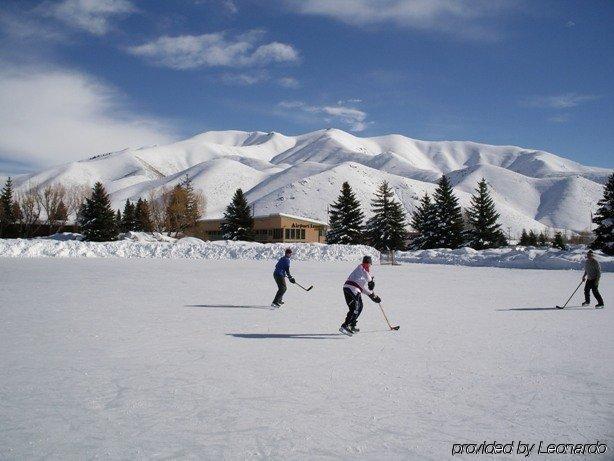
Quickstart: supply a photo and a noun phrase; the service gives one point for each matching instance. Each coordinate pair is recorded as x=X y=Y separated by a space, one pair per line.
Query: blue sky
x=80 y=77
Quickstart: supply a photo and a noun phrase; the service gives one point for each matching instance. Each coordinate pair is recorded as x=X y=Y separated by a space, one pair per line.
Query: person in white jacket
x=359 y=281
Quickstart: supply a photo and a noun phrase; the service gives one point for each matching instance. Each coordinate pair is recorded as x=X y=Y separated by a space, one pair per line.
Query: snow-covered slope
x=303 y=174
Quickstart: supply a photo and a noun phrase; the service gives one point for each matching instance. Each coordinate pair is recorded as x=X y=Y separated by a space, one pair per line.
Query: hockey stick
x=306 y=289
x=389 y=326
x=564 y=305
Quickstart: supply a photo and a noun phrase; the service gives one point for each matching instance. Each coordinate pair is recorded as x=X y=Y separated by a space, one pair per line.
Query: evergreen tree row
x=385 y=230
x=181 y=209
x=439 y=221
x=136 y=217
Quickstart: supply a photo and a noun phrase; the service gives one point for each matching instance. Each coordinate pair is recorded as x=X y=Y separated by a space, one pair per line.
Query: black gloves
x=375 y=298
x=371 y=285
x=291 y=279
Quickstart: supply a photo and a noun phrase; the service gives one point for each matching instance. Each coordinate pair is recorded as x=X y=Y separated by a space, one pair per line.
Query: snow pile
x=146 y=237
x=63 y=236
x=519 y=257
x=137 y=245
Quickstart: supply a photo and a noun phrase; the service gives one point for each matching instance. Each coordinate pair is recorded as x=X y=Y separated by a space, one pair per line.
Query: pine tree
x=604 y=218
x=118 y=219
x=6 y=203
x=559 y=241
x=238 y=223
x=142 y=216
x=424 y=222
x=524 y=238
x=386 y=229
x=542 y=239
x=96 y=218
x=448 y=216
x=346 y=219
x=128 y=217
x=484 y=229
x=533 y=238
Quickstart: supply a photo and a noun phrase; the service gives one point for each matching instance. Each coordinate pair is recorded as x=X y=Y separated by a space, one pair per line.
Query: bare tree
x=50 y=199
x=30 y=208
x=75 y=197
x=157 y=208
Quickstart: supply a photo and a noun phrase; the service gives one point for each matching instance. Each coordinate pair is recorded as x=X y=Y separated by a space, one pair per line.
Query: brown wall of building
x=269 y=229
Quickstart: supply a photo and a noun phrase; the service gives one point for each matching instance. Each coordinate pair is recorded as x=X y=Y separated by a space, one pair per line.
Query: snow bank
x=519 y=257
x=139 y=245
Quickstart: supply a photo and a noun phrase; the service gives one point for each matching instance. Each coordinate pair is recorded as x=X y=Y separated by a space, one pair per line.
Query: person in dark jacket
x=282 y=270
x=592 y=274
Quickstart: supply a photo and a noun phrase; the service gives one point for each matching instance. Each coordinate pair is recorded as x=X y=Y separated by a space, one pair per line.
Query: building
x=273 y=228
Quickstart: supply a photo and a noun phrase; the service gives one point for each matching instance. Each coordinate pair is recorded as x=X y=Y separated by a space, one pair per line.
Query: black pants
x=592 y=285
x=354 y=302
x=281 y=288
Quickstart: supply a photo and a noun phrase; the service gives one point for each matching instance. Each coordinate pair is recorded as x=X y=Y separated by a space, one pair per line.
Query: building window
x=287 y=234
x=302 y=234
x=277 y=233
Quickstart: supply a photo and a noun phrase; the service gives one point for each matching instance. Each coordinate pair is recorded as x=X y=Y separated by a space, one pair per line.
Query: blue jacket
x=282 y=268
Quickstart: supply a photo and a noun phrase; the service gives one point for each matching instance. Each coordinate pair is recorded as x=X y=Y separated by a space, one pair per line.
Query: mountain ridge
x=302 y=174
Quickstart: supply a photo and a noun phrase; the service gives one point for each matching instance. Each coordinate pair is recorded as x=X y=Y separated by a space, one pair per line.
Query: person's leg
x=357 y=311
x=596 y=293
x=587 y=291
x=350 y=300
x=281 y=288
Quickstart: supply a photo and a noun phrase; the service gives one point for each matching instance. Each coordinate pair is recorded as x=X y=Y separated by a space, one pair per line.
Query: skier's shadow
x=228 y=306
x=285 y=336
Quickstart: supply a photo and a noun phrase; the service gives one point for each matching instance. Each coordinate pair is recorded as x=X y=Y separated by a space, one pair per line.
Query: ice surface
x=181 y=359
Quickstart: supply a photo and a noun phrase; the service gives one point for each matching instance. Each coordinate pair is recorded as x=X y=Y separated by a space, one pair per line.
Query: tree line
x=171 y=210
x=439 y=221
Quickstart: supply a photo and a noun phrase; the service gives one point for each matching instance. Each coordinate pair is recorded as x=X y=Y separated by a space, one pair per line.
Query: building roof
x=285 y=215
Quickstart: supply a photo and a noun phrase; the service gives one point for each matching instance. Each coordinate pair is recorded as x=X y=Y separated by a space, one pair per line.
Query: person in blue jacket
x=282 y=270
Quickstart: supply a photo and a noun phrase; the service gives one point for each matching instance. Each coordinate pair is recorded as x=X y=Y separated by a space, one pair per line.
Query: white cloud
x=466 y=18
x=288 y=82
x=244 y=79
x=215 y=50
x=561 y=101
x=354 y=118
x=342 y=102
x=56 y=115
x=230 y=6
x=93 y=16
x=560 y=118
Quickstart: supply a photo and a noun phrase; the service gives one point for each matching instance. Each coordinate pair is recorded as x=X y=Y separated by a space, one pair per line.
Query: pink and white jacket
x=358 y=281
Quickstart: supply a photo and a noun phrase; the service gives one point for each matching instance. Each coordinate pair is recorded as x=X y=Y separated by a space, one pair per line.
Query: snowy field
x=514 y=257
x=181 y=359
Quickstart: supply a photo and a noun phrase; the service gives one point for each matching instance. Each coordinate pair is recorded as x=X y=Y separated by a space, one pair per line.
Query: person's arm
x=287 y=268
x=368 y=289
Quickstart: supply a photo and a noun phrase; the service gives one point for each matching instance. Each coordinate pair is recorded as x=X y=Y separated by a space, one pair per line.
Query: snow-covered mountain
x=303 y=174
